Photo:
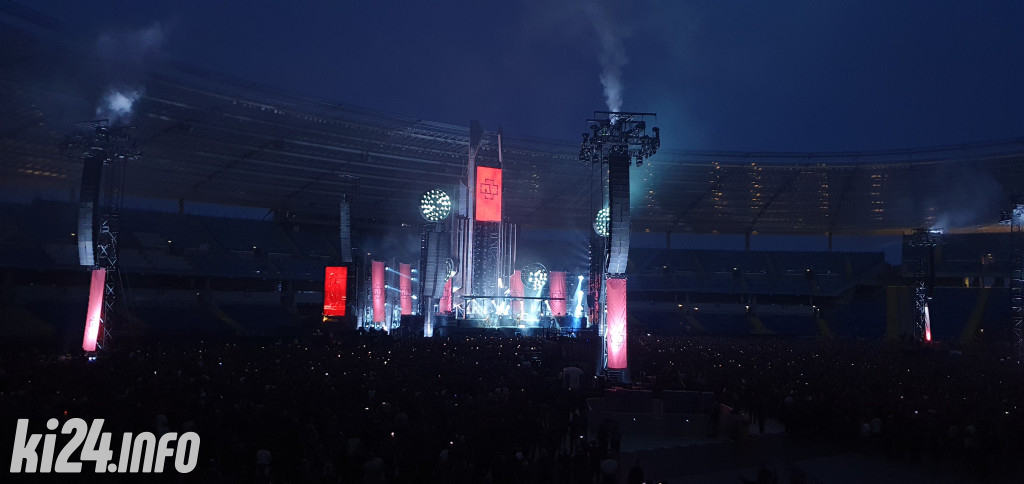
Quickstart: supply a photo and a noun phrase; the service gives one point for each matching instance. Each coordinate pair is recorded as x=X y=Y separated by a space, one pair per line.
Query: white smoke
x=612 y=56
x=125 y=55
x=116 y=105
x=132 y=47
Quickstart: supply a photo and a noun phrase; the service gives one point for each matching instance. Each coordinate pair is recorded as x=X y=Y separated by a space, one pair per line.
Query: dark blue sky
x=742 y=75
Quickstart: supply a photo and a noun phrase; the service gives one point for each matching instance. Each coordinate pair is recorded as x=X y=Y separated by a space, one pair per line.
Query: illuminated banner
x=557 y=281
x=377 y=286
x=335 y=291
x=405 y=286
x=615 y=335
x=95 y=310
x=488 y=194
x=444 y=306
x=516 y=289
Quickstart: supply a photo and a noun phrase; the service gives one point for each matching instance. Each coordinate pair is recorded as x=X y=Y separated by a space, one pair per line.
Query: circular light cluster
x=435 y=205
x=535 y=276
x=601 y=222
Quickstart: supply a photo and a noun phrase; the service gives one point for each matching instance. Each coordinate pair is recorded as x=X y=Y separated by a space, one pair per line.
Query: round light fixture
x=534 y=276
x=435 y=205
x=601 y=222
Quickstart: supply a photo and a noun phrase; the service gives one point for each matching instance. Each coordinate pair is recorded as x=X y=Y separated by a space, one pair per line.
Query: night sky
x=744 y=75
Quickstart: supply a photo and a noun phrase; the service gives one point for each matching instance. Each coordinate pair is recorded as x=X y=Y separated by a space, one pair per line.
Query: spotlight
x=435 y=205
x=601 y=222
x=581 y=278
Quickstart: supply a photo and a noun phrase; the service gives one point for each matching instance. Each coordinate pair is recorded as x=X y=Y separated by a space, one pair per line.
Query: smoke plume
x=125 y=56
x=116 y=104
x=612 y=56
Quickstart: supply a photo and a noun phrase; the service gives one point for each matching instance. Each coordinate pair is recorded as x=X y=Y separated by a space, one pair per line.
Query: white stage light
x=435 y=205
x=601 y=222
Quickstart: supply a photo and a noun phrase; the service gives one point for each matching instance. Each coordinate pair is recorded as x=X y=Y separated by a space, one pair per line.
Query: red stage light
x=445 y=304
x=377 y=286
x=488 y=194
x=95 y=311
x=335 y=291
x=615 y=335
x=557 y=282
x=405 y=287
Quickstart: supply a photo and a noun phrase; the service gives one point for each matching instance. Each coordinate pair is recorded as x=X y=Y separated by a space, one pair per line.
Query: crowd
x=939 y=408
x=369 y=408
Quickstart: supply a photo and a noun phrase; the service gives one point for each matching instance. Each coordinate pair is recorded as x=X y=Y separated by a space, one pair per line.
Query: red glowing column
x=405 y=286
x=557 y=291
x=335 y=291
x=95 y=311
x=516 y=290
x=377 y=286
x=488 y=194
x=444 y=306
x=615 y=334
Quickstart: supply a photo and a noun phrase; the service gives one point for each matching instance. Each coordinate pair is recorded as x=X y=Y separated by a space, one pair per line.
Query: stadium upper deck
x=208 y=138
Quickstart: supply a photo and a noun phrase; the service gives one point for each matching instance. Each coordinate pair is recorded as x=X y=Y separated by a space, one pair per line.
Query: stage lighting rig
x=601 y=222
x=435 y=205
x=535 y=276
x=619 y=134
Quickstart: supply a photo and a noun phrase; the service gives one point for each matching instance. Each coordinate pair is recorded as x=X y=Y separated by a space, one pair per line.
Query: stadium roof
x=208 y=138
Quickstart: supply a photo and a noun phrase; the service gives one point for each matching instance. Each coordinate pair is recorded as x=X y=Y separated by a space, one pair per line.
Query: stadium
x=250 y=247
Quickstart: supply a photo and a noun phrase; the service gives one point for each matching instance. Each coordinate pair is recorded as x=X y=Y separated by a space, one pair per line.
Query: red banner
x=488 y=194
x=557 y=292
x=516 y=289
x=444 y=306
x=405 y=287
x=377 y=286
x=615 y=334
x=95 y=310
x=335 y=291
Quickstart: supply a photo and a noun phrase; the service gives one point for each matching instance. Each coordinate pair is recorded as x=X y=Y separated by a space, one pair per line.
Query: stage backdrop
x=615 y=335
x=488 y=194
x=335 y=291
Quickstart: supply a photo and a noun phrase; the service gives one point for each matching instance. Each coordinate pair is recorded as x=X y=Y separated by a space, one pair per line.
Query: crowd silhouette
x=372 y=409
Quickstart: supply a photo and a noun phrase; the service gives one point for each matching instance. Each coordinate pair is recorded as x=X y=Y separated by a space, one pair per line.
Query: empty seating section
x=313 y=244
x=241 y=235
x=43 y=235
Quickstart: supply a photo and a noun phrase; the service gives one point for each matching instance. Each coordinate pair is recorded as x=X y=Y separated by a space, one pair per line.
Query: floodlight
x=601 y=222
x=435 y=205
x=535 y=276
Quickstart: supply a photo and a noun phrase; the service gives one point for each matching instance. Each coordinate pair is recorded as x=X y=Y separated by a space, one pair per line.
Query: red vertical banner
x=615 y=334
x=377 y=287
x=516 y=290
x=556 y=280
x=95 y=310
x=335 y=291
x=444 y=306
x=405 y=288
x=488 y=194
